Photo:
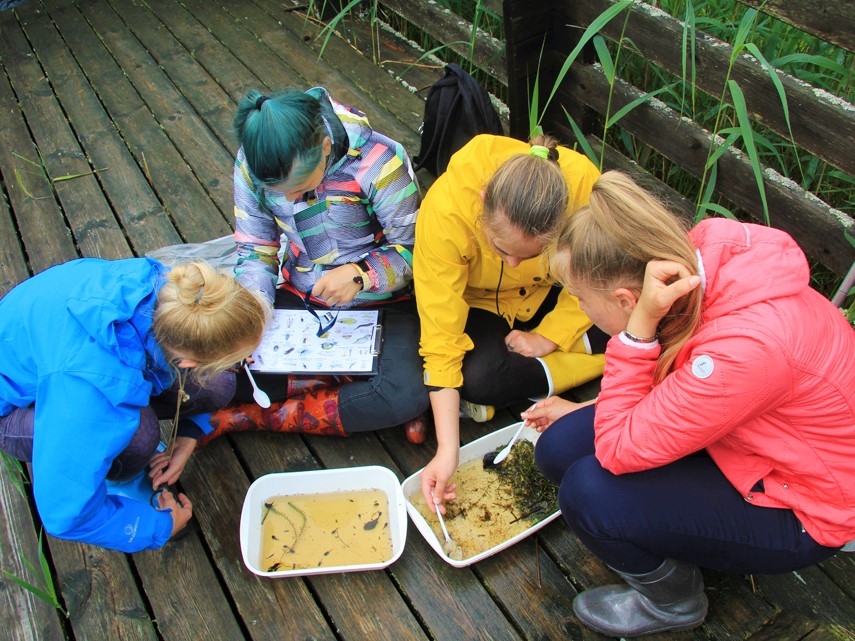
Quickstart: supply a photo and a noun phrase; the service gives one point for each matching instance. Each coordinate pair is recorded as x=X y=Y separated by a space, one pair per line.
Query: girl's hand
x=665 y=281
x=336 y=287
x=529 y=344
x=435 y=477
x=167 y=471
x=544 y=413
x=180 y=510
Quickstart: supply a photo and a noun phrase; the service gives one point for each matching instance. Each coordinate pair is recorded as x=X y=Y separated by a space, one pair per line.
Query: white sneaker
x=477 y=413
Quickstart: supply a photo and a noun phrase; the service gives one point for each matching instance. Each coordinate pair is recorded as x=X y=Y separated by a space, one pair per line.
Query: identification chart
x=291 y=344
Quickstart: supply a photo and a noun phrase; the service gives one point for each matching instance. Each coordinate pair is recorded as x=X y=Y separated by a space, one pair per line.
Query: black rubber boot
x=669 y=598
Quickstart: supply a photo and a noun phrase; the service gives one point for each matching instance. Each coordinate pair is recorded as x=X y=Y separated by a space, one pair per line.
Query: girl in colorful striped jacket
x=327 y=206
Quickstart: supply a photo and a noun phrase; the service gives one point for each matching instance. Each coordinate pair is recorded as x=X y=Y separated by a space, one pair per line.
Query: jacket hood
x=742 y=264
x=121 y=325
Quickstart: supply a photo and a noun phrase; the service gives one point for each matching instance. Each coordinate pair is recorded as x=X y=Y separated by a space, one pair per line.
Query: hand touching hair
x=209 y=317
x=608 y=245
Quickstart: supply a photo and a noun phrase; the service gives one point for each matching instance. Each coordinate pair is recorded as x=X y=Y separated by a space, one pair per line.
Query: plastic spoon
x=501 y=456
x=257 y=393
x=451 y=548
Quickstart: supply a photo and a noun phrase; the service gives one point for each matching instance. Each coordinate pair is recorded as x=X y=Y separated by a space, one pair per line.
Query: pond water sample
x=493 y=505
x=333 y=529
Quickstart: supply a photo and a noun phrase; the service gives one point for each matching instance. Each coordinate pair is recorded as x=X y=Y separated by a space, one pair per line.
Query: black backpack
x=457 y=109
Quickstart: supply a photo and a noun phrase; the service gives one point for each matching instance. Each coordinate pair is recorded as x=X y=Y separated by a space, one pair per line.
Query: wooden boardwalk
x=135 y=99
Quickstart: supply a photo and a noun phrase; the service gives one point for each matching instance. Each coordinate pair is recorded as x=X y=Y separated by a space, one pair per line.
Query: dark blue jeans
x=17 y=427
x=686 y=510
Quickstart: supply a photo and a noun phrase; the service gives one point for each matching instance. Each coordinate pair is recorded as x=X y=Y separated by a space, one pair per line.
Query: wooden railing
x=540 y=35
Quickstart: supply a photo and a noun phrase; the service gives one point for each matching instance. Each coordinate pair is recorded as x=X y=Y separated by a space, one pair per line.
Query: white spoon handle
x=258 y=394
x=501 y=456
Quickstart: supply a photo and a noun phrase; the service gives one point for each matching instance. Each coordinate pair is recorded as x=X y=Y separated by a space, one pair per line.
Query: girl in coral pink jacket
x=724 y=434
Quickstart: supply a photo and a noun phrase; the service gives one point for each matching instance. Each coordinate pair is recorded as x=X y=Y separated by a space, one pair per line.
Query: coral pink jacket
x=766 y=385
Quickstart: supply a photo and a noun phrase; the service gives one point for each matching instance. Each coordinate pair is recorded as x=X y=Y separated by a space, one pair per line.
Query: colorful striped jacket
x=364 y=210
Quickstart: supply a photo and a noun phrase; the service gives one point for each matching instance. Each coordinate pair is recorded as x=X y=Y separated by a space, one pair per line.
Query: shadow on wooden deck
x=136 y=99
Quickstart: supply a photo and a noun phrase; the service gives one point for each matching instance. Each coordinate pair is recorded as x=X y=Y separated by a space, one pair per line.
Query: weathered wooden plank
x=818 y=228
x=841 y=569
x=526 y=26
x=93 y=224
x=830 y=21
x=811 y=593
x=184 y=592
x=189 y=206
x=384 y=90
x=488 y=52
x=100 y=593
x=210 y=102
x=260 y=42
x=821 y=123
x=289 y=37
x=23 y=616
x=208 y=160
x=533 y=591
x=141 y=214
x=230 y=73
x=786 y=626
x=13 y=266
x=40 y=223
x=216 y=484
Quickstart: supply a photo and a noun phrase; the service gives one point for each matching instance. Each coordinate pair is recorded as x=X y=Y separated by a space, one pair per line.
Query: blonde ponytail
x=608 y=244
x=209 y=317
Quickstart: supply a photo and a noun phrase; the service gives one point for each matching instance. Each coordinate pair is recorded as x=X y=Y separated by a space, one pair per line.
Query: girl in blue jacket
x=92 y=354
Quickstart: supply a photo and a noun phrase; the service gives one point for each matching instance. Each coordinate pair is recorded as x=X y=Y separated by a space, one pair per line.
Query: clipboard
x=290 y=345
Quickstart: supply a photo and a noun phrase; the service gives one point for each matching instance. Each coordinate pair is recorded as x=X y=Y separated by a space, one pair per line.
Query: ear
x=626 y=299
x=187 y=363
x=327 y=145
x=483 y=193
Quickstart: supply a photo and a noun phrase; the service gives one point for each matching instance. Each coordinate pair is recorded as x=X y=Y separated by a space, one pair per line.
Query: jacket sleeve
x=78 y=433
x=441 y=275
x=256 y=236
x=566 y=323
x=387 y=178
x=725 y=382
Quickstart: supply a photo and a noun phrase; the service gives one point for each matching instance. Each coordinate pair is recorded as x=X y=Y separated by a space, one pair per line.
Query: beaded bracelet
x=639 y=339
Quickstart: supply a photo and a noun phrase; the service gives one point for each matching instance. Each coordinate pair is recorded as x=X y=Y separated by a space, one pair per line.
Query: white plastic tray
x=475 y=449
x=372 y=477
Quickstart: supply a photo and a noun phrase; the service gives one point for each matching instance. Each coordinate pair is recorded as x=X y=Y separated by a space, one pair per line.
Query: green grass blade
x=732 y=136
x=16 y=472
x=705 y=198
x=804 y=59
x=745 y=26
x=329 y=29
x=604 y=57
x=596 y=24
x=782 y=97
x=583 y=142
x=718 y=209
x=46 y=575
x=748 y=140
x=29 y=587
x=620 y=113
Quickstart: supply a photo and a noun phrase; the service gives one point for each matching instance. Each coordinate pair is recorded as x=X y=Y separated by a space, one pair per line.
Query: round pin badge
x=703 y=366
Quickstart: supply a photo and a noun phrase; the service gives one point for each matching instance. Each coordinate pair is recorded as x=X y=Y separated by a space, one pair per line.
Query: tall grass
x=777 y=46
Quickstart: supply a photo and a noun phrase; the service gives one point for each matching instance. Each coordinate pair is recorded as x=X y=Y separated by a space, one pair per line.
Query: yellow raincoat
x=454 y=269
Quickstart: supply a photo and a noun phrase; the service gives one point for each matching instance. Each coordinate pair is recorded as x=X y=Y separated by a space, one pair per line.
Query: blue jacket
x=75 y=341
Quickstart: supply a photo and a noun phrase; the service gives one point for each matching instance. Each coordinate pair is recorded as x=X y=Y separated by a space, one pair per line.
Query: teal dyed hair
x=281 y=136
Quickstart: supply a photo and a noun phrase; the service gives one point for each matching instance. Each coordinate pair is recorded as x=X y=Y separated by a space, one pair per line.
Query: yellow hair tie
x=540 y=151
